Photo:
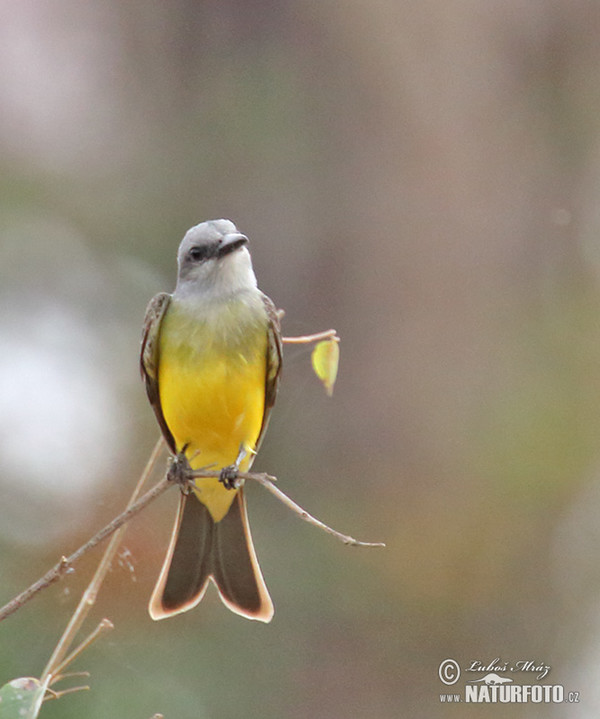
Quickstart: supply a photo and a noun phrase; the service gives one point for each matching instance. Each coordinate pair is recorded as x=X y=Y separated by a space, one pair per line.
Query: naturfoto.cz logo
x=487 y=682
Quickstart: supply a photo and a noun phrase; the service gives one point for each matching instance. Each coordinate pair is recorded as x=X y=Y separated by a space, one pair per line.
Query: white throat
x=219 y=278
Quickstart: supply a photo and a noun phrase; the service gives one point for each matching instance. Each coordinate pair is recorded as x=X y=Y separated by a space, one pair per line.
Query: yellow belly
x=212 y=399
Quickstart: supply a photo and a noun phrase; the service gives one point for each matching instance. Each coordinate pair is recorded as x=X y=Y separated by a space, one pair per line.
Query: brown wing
x=273 y=371
x=149 y=359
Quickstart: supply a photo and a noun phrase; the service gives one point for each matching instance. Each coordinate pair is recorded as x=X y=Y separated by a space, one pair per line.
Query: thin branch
x=66 y=563
x=267 y=482
x=303 y=514
x=104 y=626
x=307 y=339
x=88 y=598
x=52 y=694
x=58 y=570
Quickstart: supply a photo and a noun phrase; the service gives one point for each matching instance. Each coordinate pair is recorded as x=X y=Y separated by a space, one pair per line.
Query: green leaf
x=21 y=698
x=325 y=360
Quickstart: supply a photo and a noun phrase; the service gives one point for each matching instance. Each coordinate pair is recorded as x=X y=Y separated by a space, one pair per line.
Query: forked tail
x=202 y=549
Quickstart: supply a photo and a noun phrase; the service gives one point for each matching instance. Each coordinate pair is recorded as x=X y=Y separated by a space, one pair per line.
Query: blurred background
x=425 y=178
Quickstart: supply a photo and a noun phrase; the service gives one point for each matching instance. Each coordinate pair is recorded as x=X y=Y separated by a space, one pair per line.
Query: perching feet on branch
x=179 y=471
x=229 y=477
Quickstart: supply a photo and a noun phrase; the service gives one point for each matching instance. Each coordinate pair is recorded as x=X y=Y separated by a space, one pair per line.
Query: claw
x=229 y=477
x=179 y=471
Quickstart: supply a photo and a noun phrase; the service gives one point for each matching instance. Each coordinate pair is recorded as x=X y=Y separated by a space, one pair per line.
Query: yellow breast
x=211 y=382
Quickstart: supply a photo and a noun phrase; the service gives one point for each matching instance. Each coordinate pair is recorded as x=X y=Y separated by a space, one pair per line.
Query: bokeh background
x=425 y=178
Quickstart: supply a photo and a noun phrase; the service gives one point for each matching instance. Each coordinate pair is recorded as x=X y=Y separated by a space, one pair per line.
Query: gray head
x=213 y=257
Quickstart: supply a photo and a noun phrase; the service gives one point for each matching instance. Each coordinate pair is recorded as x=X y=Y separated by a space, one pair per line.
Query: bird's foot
x=179 y=471
x=229 y=477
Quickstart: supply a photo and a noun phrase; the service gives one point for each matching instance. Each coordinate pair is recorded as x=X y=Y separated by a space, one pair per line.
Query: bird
x=211 y=357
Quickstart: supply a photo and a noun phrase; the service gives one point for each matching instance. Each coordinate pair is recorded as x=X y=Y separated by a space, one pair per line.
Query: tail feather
x=235 y=568
x=202 y=549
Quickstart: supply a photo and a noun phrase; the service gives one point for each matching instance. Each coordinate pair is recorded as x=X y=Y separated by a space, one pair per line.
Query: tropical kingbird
x=210 y=359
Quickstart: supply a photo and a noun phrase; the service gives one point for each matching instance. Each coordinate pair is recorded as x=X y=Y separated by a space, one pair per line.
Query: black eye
x=198 y=253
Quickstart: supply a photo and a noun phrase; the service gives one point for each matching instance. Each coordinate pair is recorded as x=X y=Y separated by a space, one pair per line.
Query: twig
x=88 y=598
x=267 y=482
x=307 y=339
x=57 y=695
x=104 y=626
x=303 y=514
x=57 y=571
x=65 y=564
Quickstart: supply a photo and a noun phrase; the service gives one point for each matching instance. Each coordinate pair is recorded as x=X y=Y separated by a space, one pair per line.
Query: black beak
x=231 y=243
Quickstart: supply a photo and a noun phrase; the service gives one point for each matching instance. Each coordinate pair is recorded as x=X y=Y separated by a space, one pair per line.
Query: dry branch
x=65 y=564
